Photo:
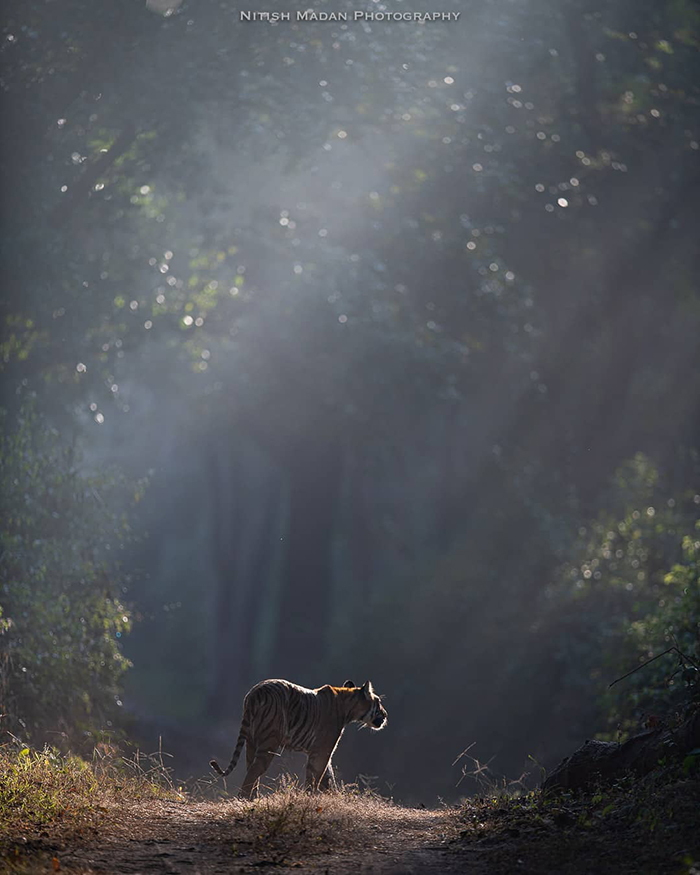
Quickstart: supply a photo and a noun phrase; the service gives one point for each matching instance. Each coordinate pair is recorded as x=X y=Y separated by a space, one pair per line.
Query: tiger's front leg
x=317 y=769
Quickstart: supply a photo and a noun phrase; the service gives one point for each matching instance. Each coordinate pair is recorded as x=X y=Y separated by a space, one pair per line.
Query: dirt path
x=635 y=830
x=211 y=837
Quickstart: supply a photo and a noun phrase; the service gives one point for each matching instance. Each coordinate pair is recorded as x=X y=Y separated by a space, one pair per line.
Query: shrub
x=62 y=584
x=635 y=591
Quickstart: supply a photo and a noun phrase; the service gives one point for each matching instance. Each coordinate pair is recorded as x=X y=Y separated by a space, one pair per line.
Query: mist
x=363 y=335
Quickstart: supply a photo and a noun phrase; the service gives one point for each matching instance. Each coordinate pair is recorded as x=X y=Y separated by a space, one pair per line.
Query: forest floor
x=216 y=837
x=79 y=822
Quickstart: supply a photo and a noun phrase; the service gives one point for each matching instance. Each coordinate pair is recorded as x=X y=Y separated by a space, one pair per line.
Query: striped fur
x=279 y=714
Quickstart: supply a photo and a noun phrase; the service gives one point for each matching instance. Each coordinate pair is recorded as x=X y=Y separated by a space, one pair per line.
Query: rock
x=596 y=760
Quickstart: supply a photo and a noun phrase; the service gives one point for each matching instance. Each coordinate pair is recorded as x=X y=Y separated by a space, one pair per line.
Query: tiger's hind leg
x=258 y=764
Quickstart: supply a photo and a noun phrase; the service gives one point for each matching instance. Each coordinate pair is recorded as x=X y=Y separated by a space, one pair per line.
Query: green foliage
x=635 y=586
x=37 y=789
x=44 y=790
x=691 y=763
x=61 y=584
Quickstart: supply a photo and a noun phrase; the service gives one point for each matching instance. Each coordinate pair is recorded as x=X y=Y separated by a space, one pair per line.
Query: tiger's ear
x=349 y=684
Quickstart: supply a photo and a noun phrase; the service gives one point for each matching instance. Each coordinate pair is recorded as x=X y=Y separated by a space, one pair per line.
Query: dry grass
x=294 y=822
x=44 y=791
x=87 y=815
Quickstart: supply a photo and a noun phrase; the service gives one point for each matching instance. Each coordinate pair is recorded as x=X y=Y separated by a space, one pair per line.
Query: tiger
x=280 y=714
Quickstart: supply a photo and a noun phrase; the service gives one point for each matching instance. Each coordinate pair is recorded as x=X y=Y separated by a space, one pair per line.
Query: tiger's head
x=368 y=706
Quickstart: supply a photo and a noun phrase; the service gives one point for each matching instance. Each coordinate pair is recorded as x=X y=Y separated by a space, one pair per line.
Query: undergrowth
x=47 y=791
x=51 y=802
x=645 y=826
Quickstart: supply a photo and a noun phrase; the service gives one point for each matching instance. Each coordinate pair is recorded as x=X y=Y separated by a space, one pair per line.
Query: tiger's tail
x=234 y=759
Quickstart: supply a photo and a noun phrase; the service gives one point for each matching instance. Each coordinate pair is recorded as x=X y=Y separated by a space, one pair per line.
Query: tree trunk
x=253 y=575
x=361 y=529
x=226 y=538
x=314 y=481
x=245 y=494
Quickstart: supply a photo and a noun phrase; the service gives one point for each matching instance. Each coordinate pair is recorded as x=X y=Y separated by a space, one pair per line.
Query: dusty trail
x=210 y=837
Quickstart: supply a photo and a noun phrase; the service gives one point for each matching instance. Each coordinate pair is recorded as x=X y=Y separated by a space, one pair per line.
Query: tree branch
x=80 y=190
x=673 y=649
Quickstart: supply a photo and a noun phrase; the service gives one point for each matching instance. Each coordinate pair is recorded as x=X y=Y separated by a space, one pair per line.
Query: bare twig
x=479 y=773
x=674 y=649
x=466 y=749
